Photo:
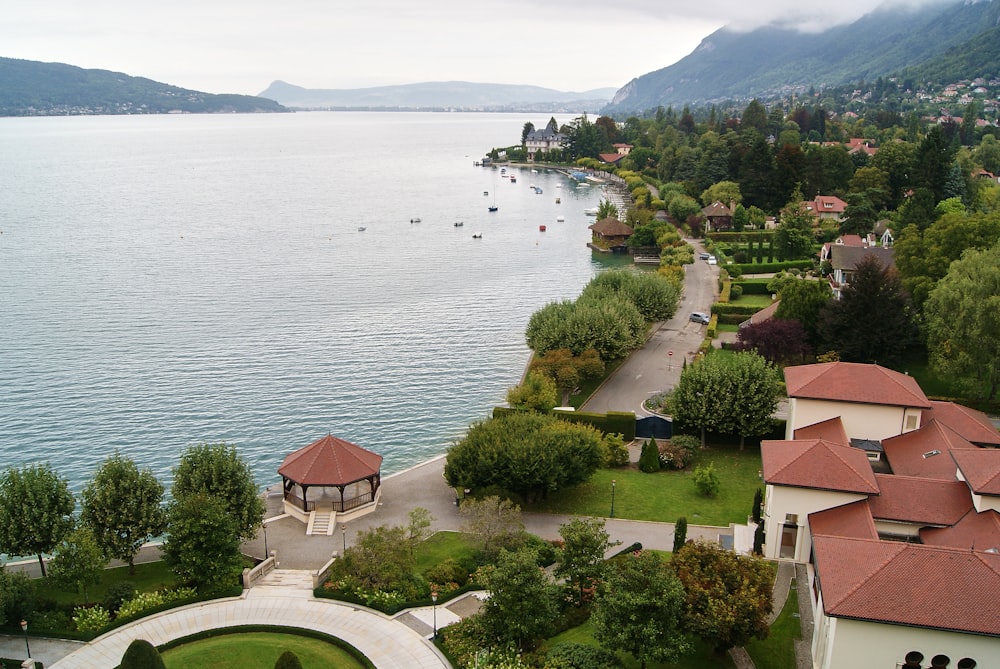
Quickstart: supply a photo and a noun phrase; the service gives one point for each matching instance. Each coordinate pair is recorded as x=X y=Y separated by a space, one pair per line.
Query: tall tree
x=494 y=523
x=567 y=370
x=122 y=507
x=523 y=600
x=203 y=544
x=794 y=239
x=78 y=562
x=932 y=163
x=36 y=508
x=963 y=319
x=727 y=597
x=873 y=319
x=217 y=470
x=803 y=300
x=581 y=560
x=776 y=340
x=641 y=610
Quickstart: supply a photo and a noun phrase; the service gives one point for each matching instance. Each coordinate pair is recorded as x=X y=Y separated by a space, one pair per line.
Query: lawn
x=148 y=577
x=759 y=301
x=441 y=546
x=777 y=651
x=666 y=495
x=257 y=650
x=702 y=656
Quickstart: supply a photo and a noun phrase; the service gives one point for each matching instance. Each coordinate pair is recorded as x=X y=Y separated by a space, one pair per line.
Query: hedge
x=744 y=309
x=713 y=327
x=612 y=422
x=741 y=237
x=769 y=267
x=754 y=286
x=725 y=292
x=392 y=609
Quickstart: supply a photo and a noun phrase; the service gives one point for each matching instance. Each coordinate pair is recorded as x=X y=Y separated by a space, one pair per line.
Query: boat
x=493 y=207
x=513 y=179
x=459 y=224
x=486 y=193
x=558 y=200
x=541 y=228
x=477 y=235
x=560 y=218
x=590 y=212
x=361 y=228
x=415 y=220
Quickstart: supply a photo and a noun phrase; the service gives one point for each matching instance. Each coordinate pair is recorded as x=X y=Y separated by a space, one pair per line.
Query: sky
x=241 y=46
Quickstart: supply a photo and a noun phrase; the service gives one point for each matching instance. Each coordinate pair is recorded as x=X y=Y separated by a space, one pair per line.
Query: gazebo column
x=305 y=504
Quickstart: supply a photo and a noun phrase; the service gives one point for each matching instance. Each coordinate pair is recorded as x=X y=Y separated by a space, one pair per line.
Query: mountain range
x=732 y=65
x=440 y=95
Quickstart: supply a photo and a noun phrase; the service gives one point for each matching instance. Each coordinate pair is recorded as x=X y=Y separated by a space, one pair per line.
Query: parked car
x=704 y=256
x=699 y=317
x=712 y=261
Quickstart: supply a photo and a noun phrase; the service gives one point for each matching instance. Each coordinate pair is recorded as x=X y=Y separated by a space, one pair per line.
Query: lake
x=179 y=279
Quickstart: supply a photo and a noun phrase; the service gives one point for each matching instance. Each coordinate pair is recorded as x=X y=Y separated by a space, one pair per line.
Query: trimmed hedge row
x=726 y=308
x=744 y=236
x=613 y=422
x=754 y=286
x=392 y=609
x=271 y=629
x=768 y=267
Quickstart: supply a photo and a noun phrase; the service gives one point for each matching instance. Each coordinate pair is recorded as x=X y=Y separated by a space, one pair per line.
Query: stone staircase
x=321 y=522
x=284 y=583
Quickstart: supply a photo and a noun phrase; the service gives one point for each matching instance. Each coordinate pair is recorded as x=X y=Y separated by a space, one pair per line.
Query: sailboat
x=494 y=207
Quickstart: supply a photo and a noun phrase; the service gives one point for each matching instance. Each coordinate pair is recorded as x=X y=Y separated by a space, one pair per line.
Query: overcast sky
x=241 y=46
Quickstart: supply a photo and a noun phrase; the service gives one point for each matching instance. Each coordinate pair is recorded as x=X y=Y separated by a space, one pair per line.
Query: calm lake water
x=171 y=280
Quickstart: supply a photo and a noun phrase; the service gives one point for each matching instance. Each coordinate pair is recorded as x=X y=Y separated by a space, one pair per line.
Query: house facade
x=845 y=260
x=902 y=553
x=542 y=141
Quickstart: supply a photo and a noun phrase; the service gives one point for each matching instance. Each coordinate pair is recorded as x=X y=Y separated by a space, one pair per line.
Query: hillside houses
x=902 y=550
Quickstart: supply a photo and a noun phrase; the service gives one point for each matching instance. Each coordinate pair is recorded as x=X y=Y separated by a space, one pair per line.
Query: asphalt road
x=657 y=365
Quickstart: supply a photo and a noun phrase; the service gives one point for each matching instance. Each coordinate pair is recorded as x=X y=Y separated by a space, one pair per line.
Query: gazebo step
x=320 y=522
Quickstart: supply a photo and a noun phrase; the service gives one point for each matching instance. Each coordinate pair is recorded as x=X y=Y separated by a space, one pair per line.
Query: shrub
x=735 y=291
x=680 y=533
x=674 y=455
x=615 y=450
x=141 y=654
x=706 y=480
x=649 y=460
x=448 y=571
x=688 y=441
x=288 y=660
x=117 y=594
x=91 y=619
x=580 y=656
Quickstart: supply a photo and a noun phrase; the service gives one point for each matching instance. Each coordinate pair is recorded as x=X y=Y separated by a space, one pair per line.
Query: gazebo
x=342 y=477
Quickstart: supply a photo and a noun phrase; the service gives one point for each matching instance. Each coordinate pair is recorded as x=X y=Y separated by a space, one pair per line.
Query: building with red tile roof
x=980 y=469
x=924 y=452
x=831 y=429
x=905 y=504
x=972 y=425
x=976 y=531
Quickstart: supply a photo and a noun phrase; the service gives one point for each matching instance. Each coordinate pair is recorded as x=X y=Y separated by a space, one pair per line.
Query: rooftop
x=817 y=464
x=854 y=382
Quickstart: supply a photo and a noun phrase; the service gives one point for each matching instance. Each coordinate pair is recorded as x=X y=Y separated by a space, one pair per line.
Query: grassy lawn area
x=149 y=576
x=257 y=650
x=701 y=658
x=777 y=651
x=441 y=546
x=666 y=495
x=759 y=301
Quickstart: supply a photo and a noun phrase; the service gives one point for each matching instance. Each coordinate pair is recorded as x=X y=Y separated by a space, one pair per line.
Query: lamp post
x=343 y=533
x=24 y=628
x=264 y=527
x=434 y=610
x=613 y=482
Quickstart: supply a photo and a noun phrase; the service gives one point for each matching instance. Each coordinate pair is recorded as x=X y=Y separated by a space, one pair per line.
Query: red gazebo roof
x=330 y=461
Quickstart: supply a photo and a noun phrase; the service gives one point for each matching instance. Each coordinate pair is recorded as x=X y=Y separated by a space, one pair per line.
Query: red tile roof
x=854 y=382
x=330 y=461
x=975 y=531
x=909 y=584
x=981 y=468
x=924 y=452
x=973 y=425
x=818 y=464
x=831 y=429
x=921 y=501
x=850 y=520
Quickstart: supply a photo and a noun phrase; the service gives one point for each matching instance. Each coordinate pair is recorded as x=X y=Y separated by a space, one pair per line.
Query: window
x=791 y=519
x=940 y=661
x=911 y=422
x=913 y=659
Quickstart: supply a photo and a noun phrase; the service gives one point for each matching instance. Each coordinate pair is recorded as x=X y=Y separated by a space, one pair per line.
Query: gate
x=656 y=427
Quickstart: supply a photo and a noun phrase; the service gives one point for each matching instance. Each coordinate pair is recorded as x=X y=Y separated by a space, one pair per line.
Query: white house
x=542 y=141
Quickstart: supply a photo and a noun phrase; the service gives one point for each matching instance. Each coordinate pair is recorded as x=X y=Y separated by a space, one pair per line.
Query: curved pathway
x=389 y=644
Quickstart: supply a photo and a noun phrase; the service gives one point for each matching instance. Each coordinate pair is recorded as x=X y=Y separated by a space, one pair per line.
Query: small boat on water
x=560 y=218
x=361 y=228
x=541 y=228
x=415 y=220
x=590 y=212
x=493 y=207
x=558 y=200
x=486 y=193
x=459 y=224
x=513 y=179
x=477 y=235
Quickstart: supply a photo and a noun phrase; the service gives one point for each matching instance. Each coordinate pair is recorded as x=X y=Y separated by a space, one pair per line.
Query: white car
x=711 y=260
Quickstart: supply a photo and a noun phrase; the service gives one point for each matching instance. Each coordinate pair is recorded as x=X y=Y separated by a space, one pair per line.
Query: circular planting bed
x=259 y=650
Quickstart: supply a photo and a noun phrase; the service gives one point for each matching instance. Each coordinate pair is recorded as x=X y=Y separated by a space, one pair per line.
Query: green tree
x=526 y=453
x=78 y=562
x=523 y=600
x=963 y=319
x=682 y=207
x=614 y=327
x=641 y=610
x=655 y=296
x=873 y=289
x=36 y=508
x=528 y=128
x=122 y=507
x=649 y=457
x=538 y=392
x=932 y=163
x=726 y=192
x=802 y=301
x=203 y=544
x=680 y=533
x=793 y=239
x=605 y=209
x=566 y=370
x=419 y=527
x=217 y=470
x=729 y=395
x=288 y=660
x=381 y=559
x=141 y=654
x=581 y=560
x=727 y=597
x=706 y=480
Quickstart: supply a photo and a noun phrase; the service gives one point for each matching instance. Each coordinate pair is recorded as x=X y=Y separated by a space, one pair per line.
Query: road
x=652 y=369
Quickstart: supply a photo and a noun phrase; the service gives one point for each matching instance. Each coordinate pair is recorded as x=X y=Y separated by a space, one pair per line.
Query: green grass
x=149 y=576
x=777 y=651
x=441 y=546
x=759 y=301
x=257 y=650
x=666 y=495
x=701 y=656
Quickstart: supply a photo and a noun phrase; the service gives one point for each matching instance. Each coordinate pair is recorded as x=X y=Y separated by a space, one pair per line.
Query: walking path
x=283 y=598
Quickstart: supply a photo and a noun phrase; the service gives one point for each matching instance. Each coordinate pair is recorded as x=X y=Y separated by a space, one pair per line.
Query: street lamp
x=434 y=609
x=264 y=527
x=343 y=533
x=613 y=482
x=24 y=628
